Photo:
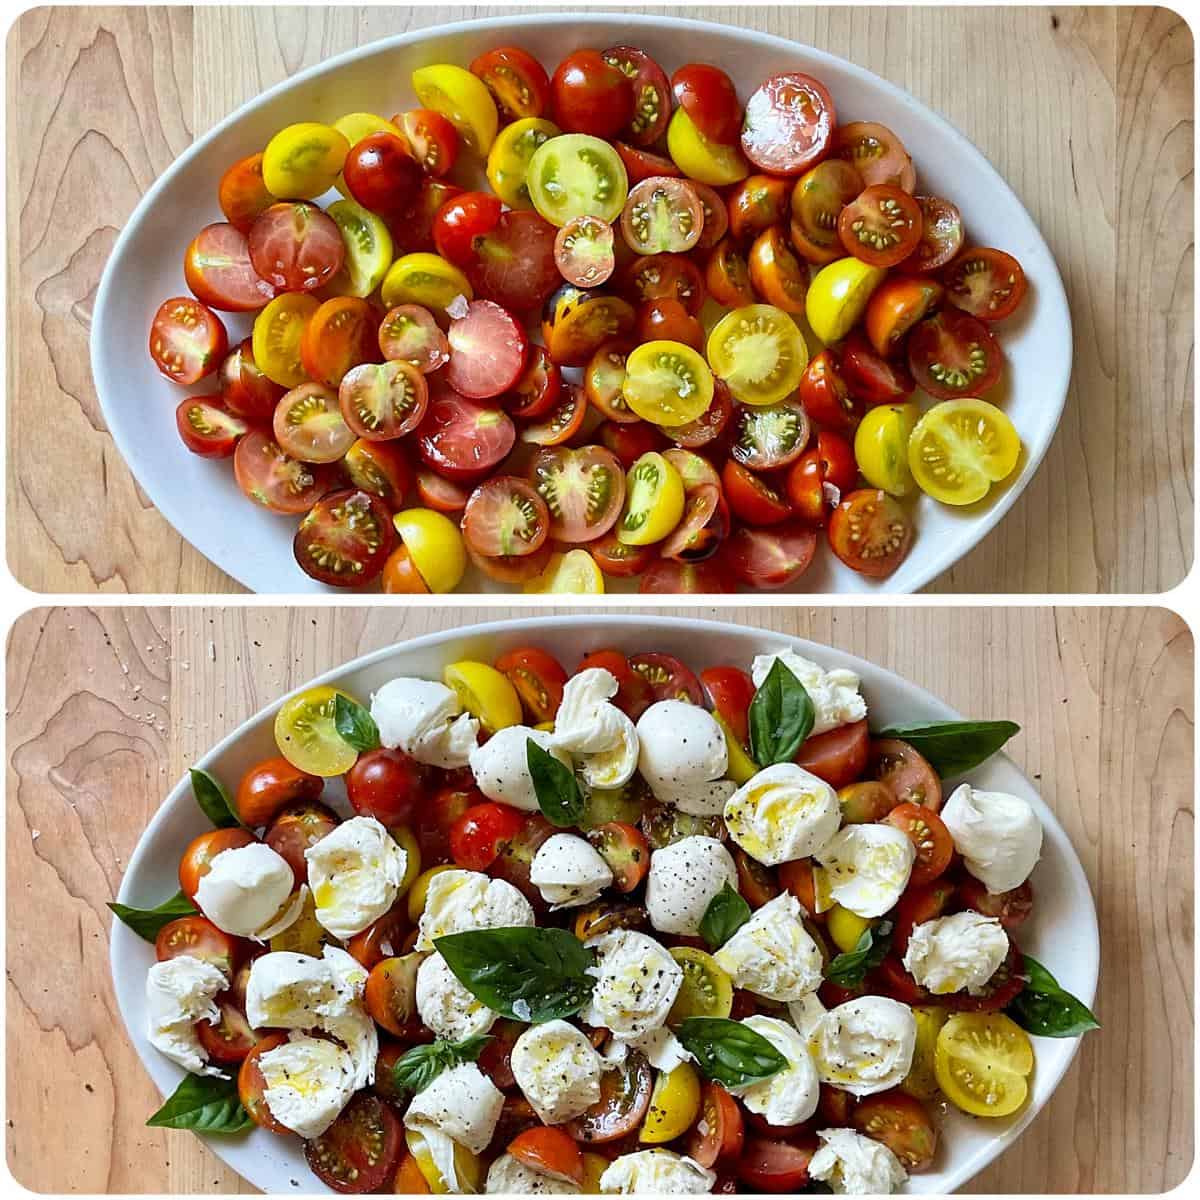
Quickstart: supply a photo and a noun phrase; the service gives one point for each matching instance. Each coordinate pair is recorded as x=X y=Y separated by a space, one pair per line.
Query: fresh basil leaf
x=205 y=1103
x=525 y=973
x=354 y=724
x=781 y=717
x=417 y=1068
x=1044 y=1009
x=557 y=790
x=726 y=913
x=729 y=1052
x=954 y=747
x=850 y=969
x=146 y=922
x=213 y=799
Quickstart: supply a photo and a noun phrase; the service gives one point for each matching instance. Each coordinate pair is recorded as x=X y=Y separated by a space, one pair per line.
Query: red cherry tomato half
x=583 y=489
x=838 y=756
x=651 y=99
x=750 y=496
x=432 y=139
x=439 y=493
x=709 y=98
x=410 y=334
x=882 y=226
x=826 y=397
x=309 y=424
x=563 y=421
x=789 y=124
x=270 y=786
x=669 y=679
x=381 y=401
x=986 y=283
x=871 y=533
x=901 y=1123
x=876 y=153
x=538 y=678
x=668 y=577
x=208 y=428
x=187 y=340
x=199 y=938
x=770 y=558
x=870 y=378
x=641 y=164
x=630 y=440
x=515 y=263
x=583 y=251
x=345 y=539
x=296 y=247
x=460 y=438
x=666 y=276
x=476 y=837
x=703 y=529
x=539 y=388
x=770 y=1165
x=414 y=230
x=615 y=558
x=941 y=236
x=341 y=334
x=1011 y=908
x=381 y=468
x=768 y=437
x=274 y=479
x=505 y=516
x=295 y=830
x=710 y=425
x=838 y=465
x=917 y=906
x=242 y=194
x=930 y=838
x=217 y=268
x=487 y=351
x=625 y=849
x=906 y=772
x=730 y=691
x=246 y=391
x=716 y=215
x=512 y=568
x=360 y=1151
x=719 y=1134
x=952 y=355
x=231 y=1038
x=590 y=95
x=381 y=174
x=667 y=320
x=518 y=82
x=387 y=785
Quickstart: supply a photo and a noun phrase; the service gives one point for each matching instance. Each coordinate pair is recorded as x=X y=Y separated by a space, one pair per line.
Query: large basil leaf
x=850 y=969
x=417 y=1068
x=1044 y=1009
x=213 y=799
x=205 y=1103
x=726 y=913
x=781 y=716
x=554 y=783
x=954 y=747
x=729 y=1052
x=146 y=922
x=354 y=724
x=525 y=973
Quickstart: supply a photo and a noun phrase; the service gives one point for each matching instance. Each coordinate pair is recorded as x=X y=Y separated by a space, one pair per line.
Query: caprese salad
x=625 y=930
x=739 y=302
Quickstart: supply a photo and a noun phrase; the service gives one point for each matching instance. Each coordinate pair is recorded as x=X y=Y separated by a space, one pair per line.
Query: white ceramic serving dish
x=1062 y=933
x=201 y=499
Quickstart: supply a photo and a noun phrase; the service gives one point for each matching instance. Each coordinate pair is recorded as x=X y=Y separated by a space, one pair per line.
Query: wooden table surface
x=1086 y=112
x=108 y=706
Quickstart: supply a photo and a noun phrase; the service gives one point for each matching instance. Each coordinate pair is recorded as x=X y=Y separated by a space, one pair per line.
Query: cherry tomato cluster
x=683 y=250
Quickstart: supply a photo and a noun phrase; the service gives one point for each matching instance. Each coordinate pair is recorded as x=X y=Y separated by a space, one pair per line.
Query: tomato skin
x=207 y=427
x=514 y=264
x=757 y=203
x=231 y=1039
x=710 y=427
x=911 y=779
x=789 y=124
x=917 y=906
x=460 y=221
x=630 y=440
x=871 y=533
x=668 y=678
x=751 y=497
x=872 y=379
x=197 y=857
x=930 y=838
x=838 y=465
x=1012 y=908
x=1004 y=986
x=518 y=82
x=797 y=877
x=901 y=1123
x=252 y=1085
x=893 y=980
x=461 y=439
x=270 y=786
x=345 y=538
x=624 y=1101
x=247 y=392
x=668 y=320
x=342 y=334
x=826 y=396
x=242 y=194
x=776 y=273
x=709 y=98
x=641 y=164
x=538 y=389
x=413 y=231
x=591 y=96
x=432 y=140
x=187 y=340
x=634 y=694
x=838 y=756
x=730 y=691
x=381 y=174
x=539 y=679
x=512 y=568
x=942 y=235
x=386 y=784
x=770 y=558
x=727 y=275
x=654 y=276
x=476 y=837
x=876 y=152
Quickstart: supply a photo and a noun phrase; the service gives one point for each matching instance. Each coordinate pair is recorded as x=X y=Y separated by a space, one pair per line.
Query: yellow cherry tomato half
x=706 y=991
x=654 y=501
x=982 y=1063
x=510 y=155
x=419 y=893
x=368 y=243
x=485 y=693
x=881 y=447
x=278 y=332
x=921 y=1080
x=576 y=175
x=674 y=1105
x=467 y=1166
x=435 y=545
x=846 y=927
x=742 y=768
x=759 y=352
x=837 y=297
x=304 y=160
x=594 y=1165
x=307 y=736
x=407 y=842
x=959 y=448
x=456 y=93
x=574 y=573
x=424 y=279
x=667 y=383
x=702 y=160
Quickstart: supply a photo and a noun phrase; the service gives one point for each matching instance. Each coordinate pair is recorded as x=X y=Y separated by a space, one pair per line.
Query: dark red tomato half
x=826 y=397
x=751 y=497
x=1011 y=908
x=770 y=558
x=360 y=1151
x=789 y=124
x=381 y=174
x=651 y=98
x=231 y=1038
x=952 y=355
x=633 y=692
x=870 y=378
x=345 y=538
x=901 y=1123
x=669 y=577
x=838 y=756
x=462 y=222
x=387 y=785
x=930 y=838
x=295 y=830
x=208 y=428
x=460 y=438
x=720 y=1133
x=187 y=340
x=669 y=679
x=988 y=284
x=247 y=392
x=514 y=263
x=476 y=837
x=518 y=82
x=295 y=247
x=270 y=786
x=1001 y=989
x=217 y=268
x=432 y=140
x=615 y=558
x=709 y=98
x=906 y=772
x=590 y=95
x=437 y=817
x=516 y=856
x=414 y=230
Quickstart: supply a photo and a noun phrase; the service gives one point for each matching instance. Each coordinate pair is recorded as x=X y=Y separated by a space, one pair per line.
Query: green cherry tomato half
x=575 y=175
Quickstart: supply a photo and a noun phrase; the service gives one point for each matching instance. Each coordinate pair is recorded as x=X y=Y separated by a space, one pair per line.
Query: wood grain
x=1086 y=112
x=108 y=706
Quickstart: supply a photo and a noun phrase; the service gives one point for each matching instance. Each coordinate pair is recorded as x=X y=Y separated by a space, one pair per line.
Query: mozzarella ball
x=998 y=835
x=355 y=872
x=426 y=721
x=682 y=752
x=501 y=765
x=180 y=992
x=461 y=900
x=248 y=892
x=683 y=879
x=867 y=867
x=508 y=1176
x=782 y=813
x=855 y=1165
x=568 y=871
x=656 y=1172
x=586 y=723
x=865 y=1045
x=637 y=981
x=461 y=1102
x=558 y=1069
x=773 y=955
x=790 y=1095
x=308 y=1083
x=834 y=694
x=446 y=1005
x=950 y=954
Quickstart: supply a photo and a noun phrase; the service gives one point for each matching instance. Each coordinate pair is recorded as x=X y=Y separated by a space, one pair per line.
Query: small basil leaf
x=781 y=716
x=213 y=799
x=417 y=1068
x=726 y=913
x=557 y=790
x=954 y=747
x=146 y=922
x=1044 y=1009
x=525 y=973
x=205 y=1103
x=850 y=969
x=354 y=724
x=729 y=1052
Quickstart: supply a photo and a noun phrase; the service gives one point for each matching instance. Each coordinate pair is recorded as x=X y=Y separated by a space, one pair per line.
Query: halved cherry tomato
x=702 y=529
x=917 y=906
x=538 y=678
x=615 y=558
x=549 y=1151
x=187 y=340
x=759 y=352
x=825 y=396
x=583 y=251
x=408 y=333
x=274 y=479
x=246 y=391
x=304 y=160
x=766 y=437
x=277 y=337
x=716 y=215
x=460 y=438
x=670 y=577
x=460 y=224
x=505 y=516
x=390 y=993
x=242 y=193
x=514 y=262
x=871 y=533
x=876 y=153
x=345 y=538
x=942 y=237
x=651 y=99
x=539 y=388
x=930 y=838
x=882 y=226
x=252 y=1085
x=770 y=558
x=464 y=99
x=230 y=1039
x=641 y=164
x=400 y=575
x=272 y=785
x=756 y=204
x=730 y=691
x=518 y=82
x=906 y=771
x=896 y=306
x=797 y=878
x=756 y=883
x=341 y=334
x=776 y=273
x=413 y=232
x=838 y=756
x=662 y=215
x=719 y=1134
x=432 y=139
x=668 y=320
x=516 y=857
x=901 y=1123
x=360 y=1151
x=217 y=268
x=297 y=829
x=309 y=424
x=753 y=499
x=630 y=440
x=986 y=283
x=710 y=100
x=207 y=427
x=383 y=938
x=654 y=501
x=634 y=694
x=583 y=489
x=805 y=486
x=788 y=124
x=669 y=679
x=1011 y=908
x=603 y=378
x=959 y=448
x=513 y=568
x=658 y=276
x=667 y=383
x=837 y=460
x=624 y=1098
x=381 y=468
x=197 y=937
x=818 y=199
x=386 y=784
x=488 y=349
x=894 y=981
x=440 y=494
x=295 y=247
x=381 y=174
x=577 y=323
x=476 y=837
x=727 y=275
x=710 y=425
x=591 y=96
x=197 y=857
x=872 y=379
x=562 y=422
x=769 y=1165
x=624 y=848
x=435 y=819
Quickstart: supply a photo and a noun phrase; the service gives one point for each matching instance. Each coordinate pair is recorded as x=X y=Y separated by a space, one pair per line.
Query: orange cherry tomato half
x=895 y=306
x=871 y=533
x=270 y=786
x=341 y=334
x=539 y=679
x=930 y=838
x=217 y=268
x=989 y=284
x=187 y=340
x=242 y=194
x=881 y=226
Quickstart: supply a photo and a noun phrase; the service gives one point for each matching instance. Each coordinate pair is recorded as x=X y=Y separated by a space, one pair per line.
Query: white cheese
x=425 y=720
x=773 y=955
x=568 y=871
x=355 y=872
x=636 y=984
x=865 y=1045
x=461 y=900
x=790 y=1095
x=867 y=867
x=248 y=892
x=834 y=694
x=663 y=1050
x=180 y=992
x=998 y=835
x=783 y=813
x=683 y=757
x=308 y=1083
x=461 y=1102
x=586 y=723
x=558 y=1069
x=958 y=952
x=509 y=1177
x=656 y=1172
x=446 y=1005
x=501 y=765
x=855 y=1165
x=683 y=879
